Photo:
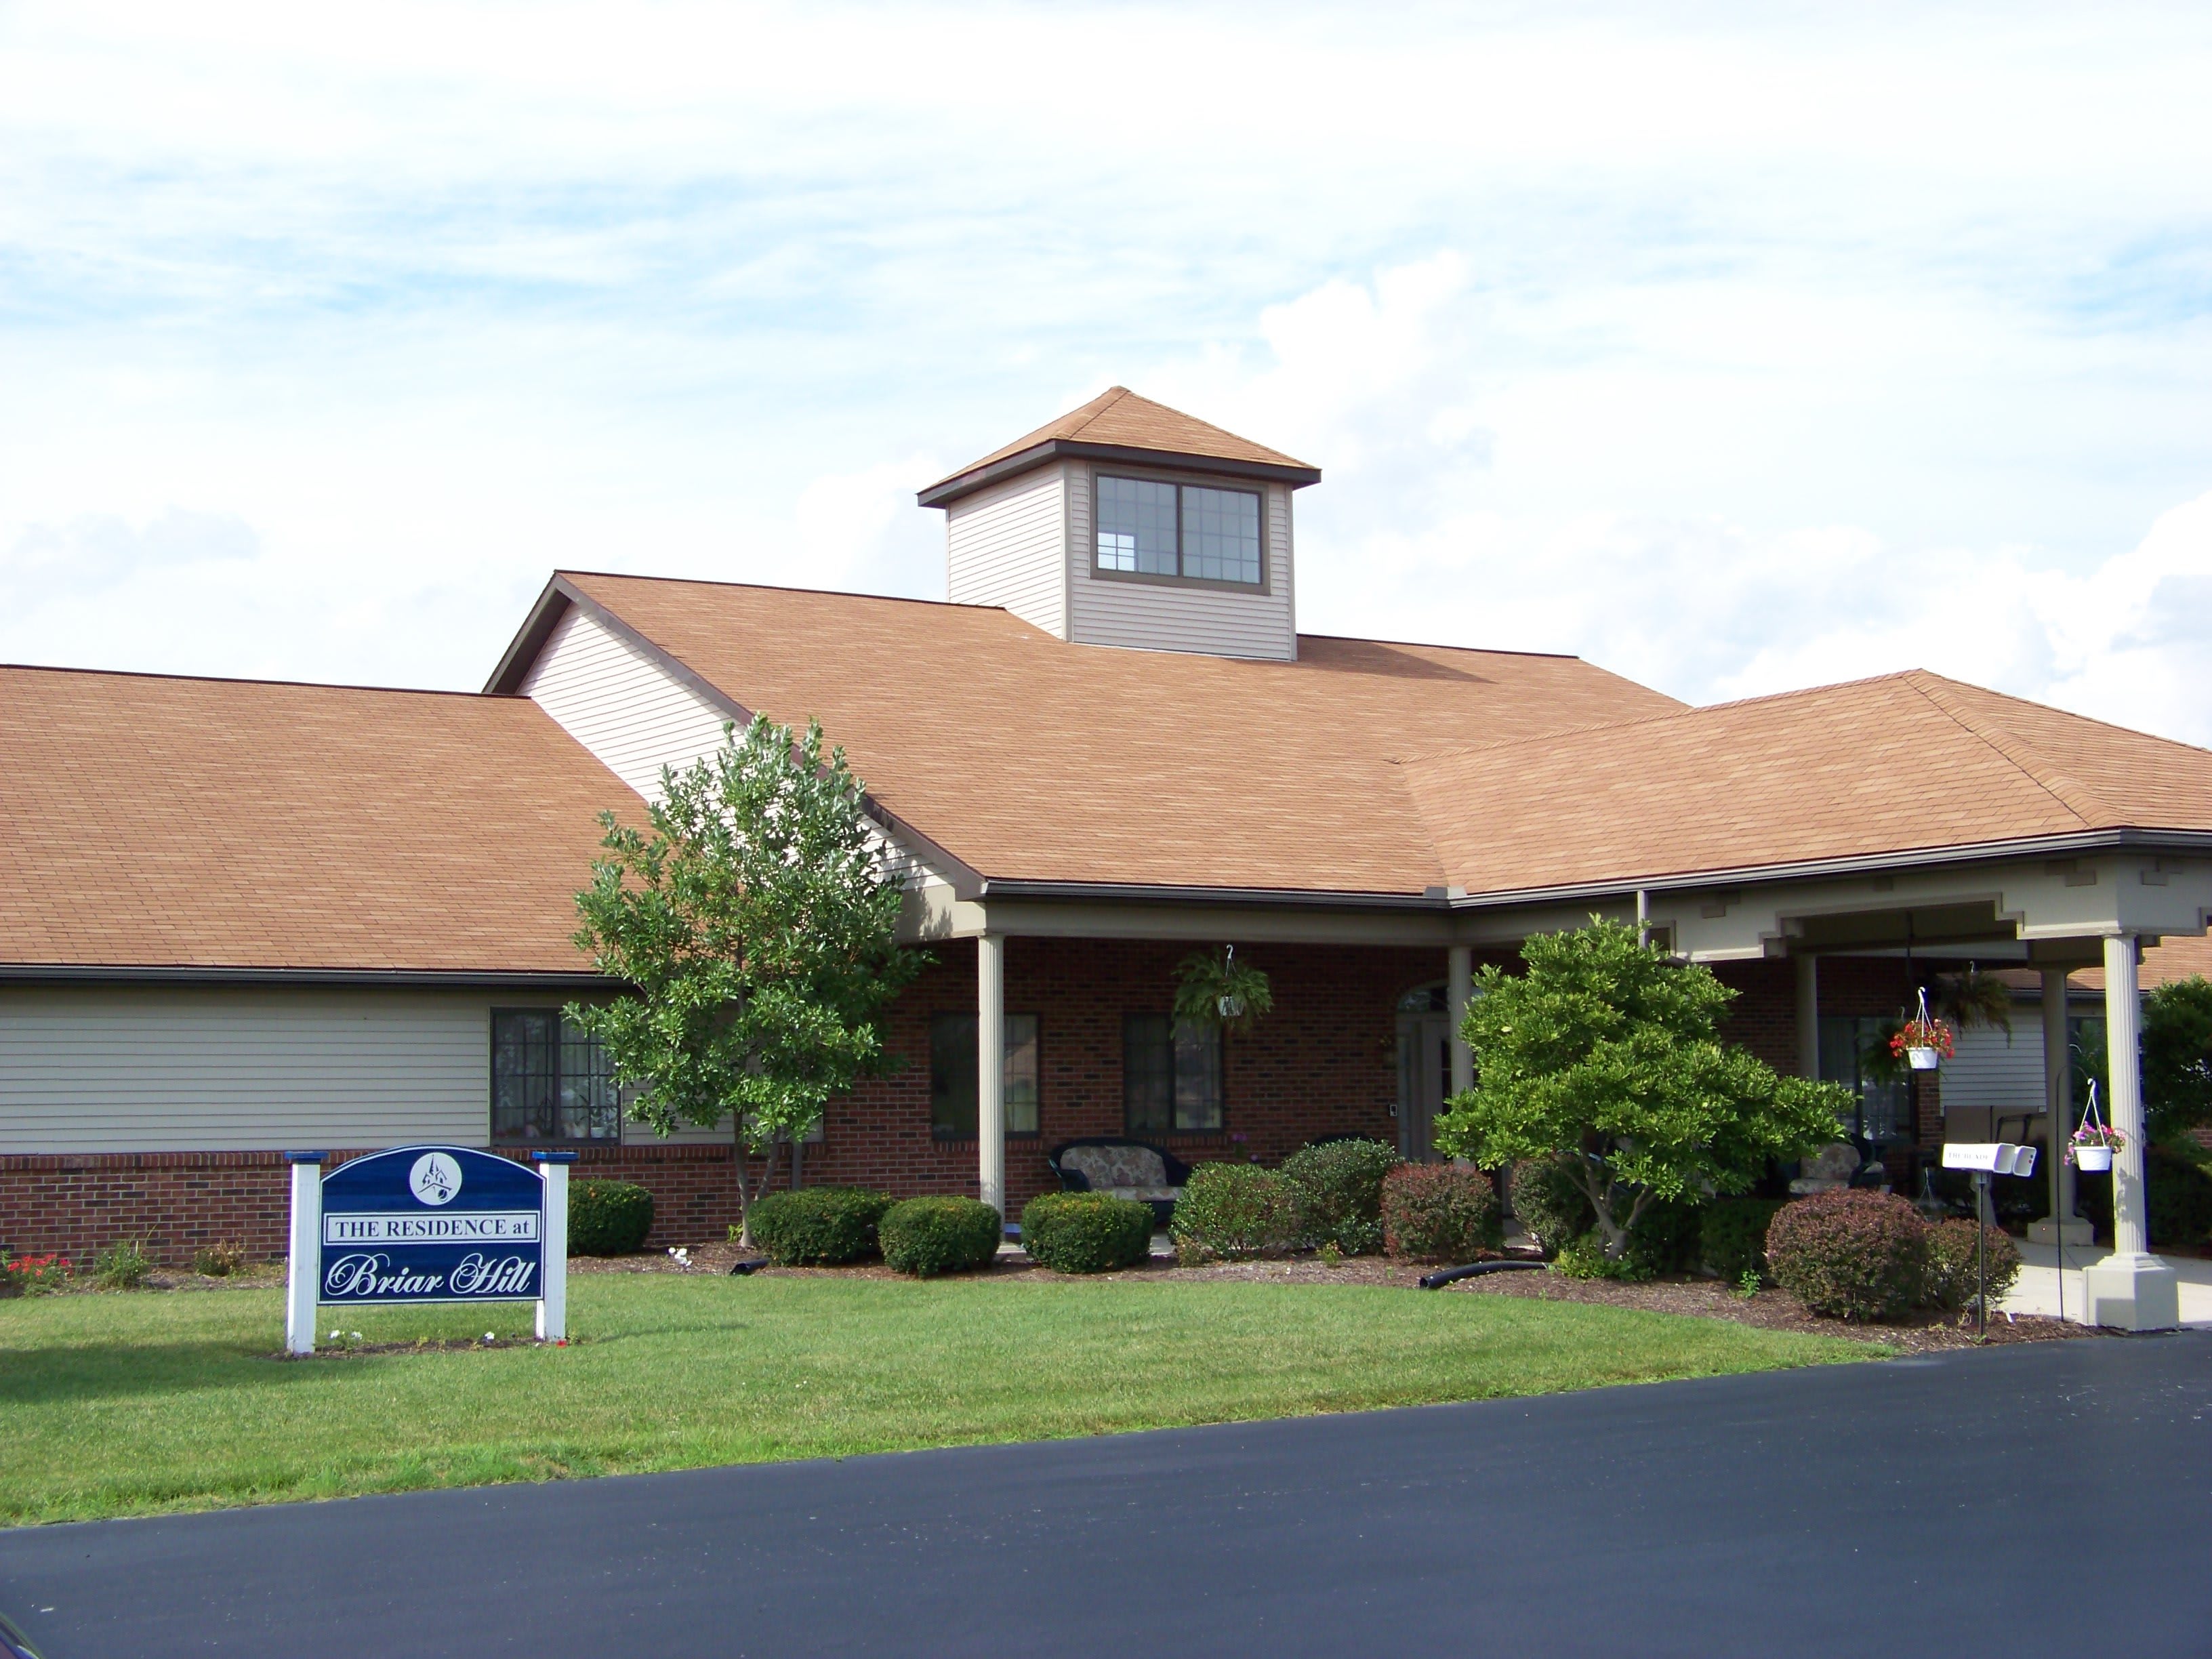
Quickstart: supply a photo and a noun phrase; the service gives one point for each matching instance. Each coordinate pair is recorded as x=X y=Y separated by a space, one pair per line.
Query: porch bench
x=1123 y=1167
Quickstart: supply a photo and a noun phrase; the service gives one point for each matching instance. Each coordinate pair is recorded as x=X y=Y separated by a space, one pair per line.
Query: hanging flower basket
x=2091 y=1147
x=1923 y=1044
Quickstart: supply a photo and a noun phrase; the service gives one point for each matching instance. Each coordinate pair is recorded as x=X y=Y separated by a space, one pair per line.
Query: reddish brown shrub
x=1851 y=1254
x=1440 y=1212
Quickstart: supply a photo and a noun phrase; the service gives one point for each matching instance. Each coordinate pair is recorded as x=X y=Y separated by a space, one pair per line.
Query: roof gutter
x=2194 y=841
x=945 y=491
x=385 y=978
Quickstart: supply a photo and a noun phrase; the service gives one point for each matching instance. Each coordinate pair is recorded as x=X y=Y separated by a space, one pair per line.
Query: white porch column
x=2063 y=1227
x=1458 y=990
x=2131 y=1288
x=1808 y=1015
x=991 y=1070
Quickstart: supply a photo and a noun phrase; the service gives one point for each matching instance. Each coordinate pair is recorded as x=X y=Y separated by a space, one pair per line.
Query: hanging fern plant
x=1976 y=998
x=1216 y=991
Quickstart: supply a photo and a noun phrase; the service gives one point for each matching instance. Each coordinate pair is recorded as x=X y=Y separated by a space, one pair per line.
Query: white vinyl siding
x=1157 y=616
x=635 y=716
x=242 y=1069
x=1003 y=547
x=620 y=704
x=1987 y=1073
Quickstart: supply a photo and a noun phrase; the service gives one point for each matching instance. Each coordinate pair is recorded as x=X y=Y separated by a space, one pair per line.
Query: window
x=953 y=1082
x=1883 y=1109
x=549 y=1082
x=1149 y=529
x=1170 y=1075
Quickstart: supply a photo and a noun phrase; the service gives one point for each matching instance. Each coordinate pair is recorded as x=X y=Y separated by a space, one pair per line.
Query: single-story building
x=244 y=917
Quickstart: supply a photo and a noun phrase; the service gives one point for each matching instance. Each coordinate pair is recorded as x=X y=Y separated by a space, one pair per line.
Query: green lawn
x=131 y=1404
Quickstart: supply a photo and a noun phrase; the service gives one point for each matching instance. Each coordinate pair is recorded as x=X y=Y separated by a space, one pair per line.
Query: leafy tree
x=2176 y=1057
x=759 y=929
x=1606 y=1050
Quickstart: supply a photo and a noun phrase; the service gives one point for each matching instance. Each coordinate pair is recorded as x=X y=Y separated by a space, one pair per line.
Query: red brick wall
x=1323 y=1063
x=178 y=1203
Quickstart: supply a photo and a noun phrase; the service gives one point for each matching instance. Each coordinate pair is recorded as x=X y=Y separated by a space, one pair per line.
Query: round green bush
x=608 y=1218
x=2177 y=1193
x=1952 y=1274
x=1232 y=1211
x=1440 y=1212
x=1087 y=1232
x=1549 y=1203
x=818 y=1226
x=927 y=1236
x=1732 y=1236
x=1851 y=1254
x=1338 y=1186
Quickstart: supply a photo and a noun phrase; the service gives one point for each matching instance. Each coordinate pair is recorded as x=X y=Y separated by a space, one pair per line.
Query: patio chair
x=1123 y=1167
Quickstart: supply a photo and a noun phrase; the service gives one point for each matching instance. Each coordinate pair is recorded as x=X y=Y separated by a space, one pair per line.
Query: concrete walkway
x=2038 y=1290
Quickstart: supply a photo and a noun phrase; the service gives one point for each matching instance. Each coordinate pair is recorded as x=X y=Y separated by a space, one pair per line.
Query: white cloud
x=1690 y=342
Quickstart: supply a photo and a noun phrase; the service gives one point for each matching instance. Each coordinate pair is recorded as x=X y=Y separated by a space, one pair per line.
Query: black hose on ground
x=1453 y=1275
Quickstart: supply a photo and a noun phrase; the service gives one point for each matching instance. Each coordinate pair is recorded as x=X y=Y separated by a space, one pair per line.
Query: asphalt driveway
x=2049 y=1498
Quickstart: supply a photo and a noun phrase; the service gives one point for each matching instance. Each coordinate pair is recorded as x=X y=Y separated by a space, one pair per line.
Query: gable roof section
x=1908 y=763
x=1119 y=425
x=151 y=822
x=1029 y=759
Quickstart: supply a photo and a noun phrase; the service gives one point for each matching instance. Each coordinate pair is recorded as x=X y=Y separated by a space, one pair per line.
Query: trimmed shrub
x=1732 y=1236
x=2177 y=1192
x=1440 y=1212
x=1951 y=1277
x=123 y=1265
x=927 y=1236
x=818 y=1226
x=1339 y=1188
x=1851 y=1254
x=1087 y=1232
x=1233 y=1210
x=1549 y=1203
x=608 y=1218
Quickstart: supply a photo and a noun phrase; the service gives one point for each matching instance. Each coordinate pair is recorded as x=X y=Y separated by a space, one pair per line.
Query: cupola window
x=1146 y=528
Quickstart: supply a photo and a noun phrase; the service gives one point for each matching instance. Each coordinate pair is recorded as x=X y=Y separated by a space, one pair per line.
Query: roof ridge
x=1105 y=400
x=2061 y=787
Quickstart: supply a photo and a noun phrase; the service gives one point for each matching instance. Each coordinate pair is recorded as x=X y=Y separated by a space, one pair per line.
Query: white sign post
x=553 y=1276
x=1986 y=1158
x=304 y=1271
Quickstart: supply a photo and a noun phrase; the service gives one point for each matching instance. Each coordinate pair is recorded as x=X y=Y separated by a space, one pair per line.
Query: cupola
x=1127 y=523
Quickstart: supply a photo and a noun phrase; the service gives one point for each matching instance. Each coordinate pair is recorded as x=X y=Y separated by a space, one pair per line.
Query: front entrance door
x=1424 y=1079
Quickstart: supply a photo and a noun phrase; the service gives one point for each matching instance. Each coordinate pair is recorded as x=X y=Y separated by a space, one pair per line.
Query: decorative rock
x=1828 y=1171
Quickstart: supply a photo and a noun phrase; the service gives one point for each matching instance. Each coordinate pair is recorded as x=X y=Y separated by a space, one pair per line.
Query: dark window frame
x=1106 y=573
x=1172 y=1076
x=942 y=1133
x=564 y=1038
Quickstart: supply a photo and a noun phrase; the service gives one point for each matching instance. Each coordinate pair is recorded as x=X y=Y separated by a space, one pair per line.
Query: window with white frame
x=1147 y=528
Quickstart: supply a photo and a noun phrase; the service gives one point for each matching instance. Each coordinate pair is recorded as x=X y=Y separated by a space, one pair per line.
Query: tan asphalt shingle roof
x=156 y=822
x=1121 y=418
x=1032 y=759
x=1905 y=762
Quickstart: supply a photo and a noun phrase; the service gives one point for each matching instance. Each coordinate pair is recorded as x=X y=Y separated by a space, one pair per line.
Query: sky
x=1736 y=348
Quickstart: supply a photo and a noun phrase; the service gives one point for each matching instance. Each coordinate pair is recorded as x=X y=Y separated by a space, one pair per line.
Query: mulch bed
x=1700 y=1298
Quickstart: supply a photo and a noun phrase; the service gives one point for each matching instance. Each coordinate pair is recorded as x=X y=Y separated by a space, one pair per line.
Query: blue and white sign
x=429 y=1224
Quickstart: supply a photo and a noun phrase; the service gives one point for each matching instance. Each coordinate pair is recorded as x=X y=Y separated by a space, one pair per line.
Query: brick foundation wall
x=179 y=1203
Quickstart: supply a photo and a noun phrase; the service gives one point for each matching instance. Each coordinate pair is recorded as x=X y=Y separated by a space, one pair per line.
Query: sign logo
x=435 y=1178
